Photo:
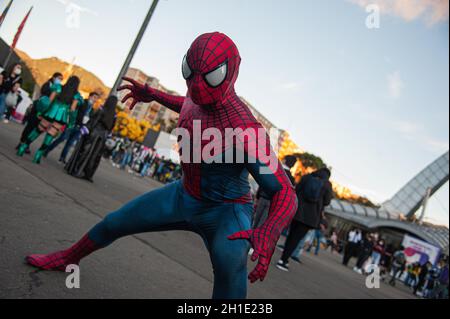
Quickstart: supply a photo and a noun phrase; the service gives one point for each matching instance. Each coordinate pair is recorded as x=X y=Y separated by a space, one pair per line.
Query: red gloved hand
x=263 y=241
x=138 y=92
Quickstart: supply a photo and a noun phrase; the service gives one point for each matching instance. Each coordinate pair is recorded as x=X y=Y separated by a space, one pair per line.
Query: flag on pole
x=19 y=31
x=5 y=12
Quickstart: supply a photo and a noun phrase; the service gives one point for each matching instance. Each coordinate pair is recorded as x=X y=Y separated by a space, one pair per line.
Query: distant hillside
x=43 y=69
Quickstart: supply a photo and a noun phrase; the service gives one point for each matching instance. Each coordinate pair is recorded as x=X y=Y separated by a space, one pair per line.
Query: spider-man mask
x=211 y=68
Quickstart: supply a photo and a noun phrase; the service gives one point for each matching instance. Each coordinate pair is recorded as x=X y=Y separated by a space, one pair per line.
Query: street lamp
x=134 y=48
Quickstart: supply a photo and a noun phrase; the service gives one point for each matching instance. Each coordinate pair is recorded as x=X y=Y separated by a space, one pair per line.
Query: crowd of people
x=309 y=231
x=65 y=117
x=369 y=250
x=141 y=160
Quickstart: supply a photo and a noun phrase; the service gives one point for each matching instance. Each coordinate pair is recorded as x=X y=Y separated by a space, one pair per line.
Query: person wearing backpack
x=314 y=193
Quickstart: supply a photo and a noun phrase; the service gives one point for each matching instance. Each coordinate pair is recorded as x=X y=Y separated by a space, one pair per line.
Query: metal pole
x=134 y=48
x=424 y=205
x=5 y=65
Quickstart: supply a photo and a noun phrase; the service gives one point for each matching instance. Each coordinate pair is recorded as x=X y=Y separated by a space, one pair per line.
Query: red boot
x=60 y=260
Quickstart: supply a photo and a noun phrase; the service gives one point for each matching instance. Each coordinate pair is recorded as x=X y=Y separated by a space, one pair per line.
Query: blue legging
x=171 y=208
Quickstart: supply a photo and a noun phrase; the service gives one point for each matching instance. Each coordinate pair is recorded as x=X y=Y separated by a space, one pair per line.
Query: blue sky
x=373 y=103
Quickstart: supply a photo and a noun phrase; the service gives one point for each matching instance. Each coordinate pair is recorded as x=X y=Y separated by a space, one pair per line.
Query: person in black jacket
x=365 y=248
x=314 y=193
x=73 y=135
x=10 y=79
x=89 y=150
x=263 y=202
x=32 y=118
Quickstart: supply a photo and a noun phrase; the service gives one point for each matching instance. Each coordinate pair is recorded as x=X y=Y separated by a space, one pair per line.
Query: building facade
x=152 y=112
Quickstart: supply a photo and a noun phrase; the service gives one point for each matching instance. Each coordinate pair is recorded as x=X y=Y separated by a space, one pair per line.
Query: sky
x=372 y=102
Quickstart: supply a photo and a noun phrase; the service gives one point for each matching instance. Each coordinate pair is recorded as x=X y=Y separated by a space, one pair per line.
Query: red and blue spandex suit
x=213 y=198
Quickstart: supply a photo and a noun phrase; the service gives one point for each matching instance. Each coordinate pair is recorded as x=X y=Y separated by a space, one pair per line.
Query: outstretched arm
x=144 y=93
x=263 y=164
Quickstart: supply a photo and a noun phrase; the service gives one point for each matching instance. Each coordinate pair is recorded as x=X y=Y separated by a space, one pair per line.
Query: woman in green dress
x=56 y=112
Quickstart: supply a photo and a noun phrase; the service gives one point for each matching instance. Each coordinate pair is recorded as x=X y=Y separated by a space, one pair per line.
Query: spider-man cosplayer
x=212 y=199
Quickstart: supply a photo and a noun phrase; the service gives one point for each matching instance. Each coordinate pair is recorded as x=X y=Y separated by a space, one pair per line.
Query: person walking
x=365 y=248
x=263 y=203
x=353 y=240
x=398 y=264
x=378 y=252
x=318 y=236
x=314 y=193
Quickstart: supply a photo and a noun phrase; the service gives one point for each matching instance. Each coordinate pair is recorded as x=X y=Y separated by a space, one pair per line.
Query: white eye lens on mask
x=187 y=72
x=217 y=76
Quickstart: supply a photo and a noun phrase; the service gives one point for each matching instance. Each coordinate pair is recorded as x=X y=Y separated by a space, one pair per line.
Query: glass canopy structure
x=404 y=203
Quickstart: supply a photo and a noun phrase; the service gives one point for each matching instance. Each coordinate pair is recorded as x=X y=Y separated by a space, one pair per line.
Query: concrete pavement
x=42 y=209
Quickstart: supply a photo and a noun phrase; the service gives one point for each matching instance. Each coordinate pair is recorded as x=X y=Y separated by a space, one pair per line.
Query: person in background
x=117 y=152
x=318 y=236
x=109 y=147
x=12 y=100
x=72 y=135
x=398 y=263
x=10 y=78
x=440 y=290
x=416 y=273
x=88 y=154
x=334 y=245
x=58 y=111
x=353 y=241
x=128 y=155
x=154 y=168
x=148 y=161
x=306 y=242
x=159 y=173
x=56 y=79
x=314 y=193
x=413 y=275
x=263 y=204
x=365 y=248
x=378 y=252
x=422 y=278
x=32 y=119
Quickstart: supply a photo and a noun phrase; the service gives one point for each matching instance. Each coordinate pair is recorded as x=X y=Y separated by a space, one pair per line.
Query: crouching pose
x=56 y=112
x=213 y=198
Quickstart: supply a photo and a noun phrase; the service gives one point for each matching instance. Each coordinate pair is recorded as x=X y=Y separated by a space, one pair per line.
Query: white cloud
x=417 y=133
x=431 y=11
x=395 y=84
x=290 y=85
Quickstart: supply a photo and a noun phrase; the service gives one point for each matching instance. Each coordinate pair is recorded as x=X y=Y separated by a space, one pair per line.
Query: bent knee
x=230 y=260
